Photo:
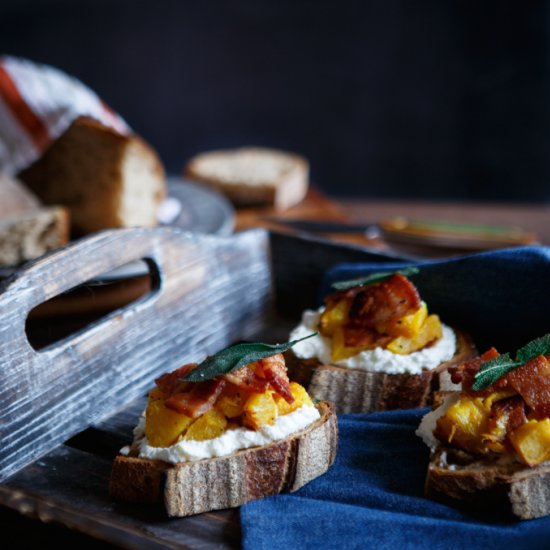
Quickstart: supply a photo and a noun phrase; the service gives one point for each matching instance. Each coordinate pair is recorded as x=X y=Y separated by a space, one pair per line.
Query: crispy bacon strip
x=274 y=371
x=465 y=373
x=532 y=382
x=171 y=382
x=511 y=411
x=198 y=400
x=359 y=336
x=391 y=299
x=247 y=379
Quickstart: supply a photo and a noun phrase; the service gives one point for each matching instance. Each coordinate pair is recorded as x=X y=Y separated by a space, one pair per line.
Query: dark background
x=387 y=98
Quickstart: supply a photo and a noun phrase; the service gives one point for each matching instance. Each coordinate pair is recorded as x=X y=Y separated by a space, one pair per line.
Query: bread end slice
x=356 y=391
x=189 y=488
x=253 y=176
x=32 y=233
x=481 y=485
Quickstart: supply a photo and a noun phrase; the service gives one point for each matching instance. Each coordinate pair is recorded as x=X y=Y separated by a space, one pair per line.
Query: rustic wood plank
x=209 y=292
x=69 y=487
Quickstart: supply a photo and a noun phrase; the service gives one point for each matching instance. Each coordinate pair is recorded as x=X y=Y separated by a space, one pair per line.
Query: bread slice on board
x=475 y=484
x=105 y=178
x=31 y=233
x=194 y=487
x=252 y=176
x=355 y=391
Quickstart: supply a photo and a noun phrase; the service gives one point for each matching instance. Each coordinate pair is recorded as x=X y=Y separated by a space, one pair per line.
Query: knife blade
x=435 y=233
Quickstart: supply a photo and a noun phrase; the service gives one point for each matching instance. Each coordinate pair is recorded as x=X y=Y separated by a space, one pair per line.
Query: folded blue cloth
x=501 y=297
x=372 y=497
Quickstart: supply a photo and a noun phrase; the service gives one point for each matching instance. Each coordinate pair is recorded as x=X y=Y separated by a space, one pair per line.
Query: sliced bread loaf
x=105 y=178
x=252 y=176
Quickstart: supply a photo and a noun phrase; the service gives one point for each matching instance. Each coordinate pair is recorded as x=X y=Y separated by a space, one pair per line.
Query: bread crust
x=281 y=192
x=455 y=478
x=356 y=391
x=189 y=488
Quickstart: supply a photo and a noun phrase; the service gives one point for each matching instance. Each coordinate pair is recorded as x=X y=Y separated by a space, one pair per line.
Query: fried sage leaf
x=496 y=368
x=373 y=278
x=236 y=356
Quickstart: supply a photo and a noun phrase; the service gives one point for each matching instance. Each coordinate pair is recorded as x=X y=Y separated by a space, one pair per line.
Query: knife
x=439 y=233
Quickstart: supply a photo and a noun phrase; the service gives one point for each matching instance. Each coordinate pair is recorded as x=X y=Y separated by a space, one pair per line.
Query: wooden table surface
x=533 y=218
x=21 y=532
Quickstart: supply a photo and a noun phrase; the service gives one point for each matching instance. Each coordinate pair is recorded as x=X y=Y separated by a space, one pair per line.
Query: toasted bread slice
x=456 y=478
x=194 y=487
x=355 y=391
x=253 y=175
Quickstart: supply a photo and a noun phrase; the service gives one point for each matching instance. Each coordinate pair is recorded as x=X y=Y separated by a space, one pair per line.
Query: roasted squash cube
x=163 y=426
x=464 y=424
x=207 y=426
x=259 y=410
x=431 y=330
x=334 y=315
x=339 y=349
x=531 y=441
x=231 y=401
x=301 y=398
x=407 y=326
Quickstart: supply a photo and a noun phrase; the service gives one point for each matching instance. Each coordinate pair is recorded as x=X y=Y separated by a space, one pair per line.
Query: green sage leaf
x=373 y=278
x=540 y=346
x=237 y=356
x=492 y=370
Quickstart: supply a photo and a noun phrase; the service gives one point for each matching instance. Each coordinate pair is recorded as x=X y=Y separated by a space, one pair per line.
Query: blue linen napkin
x=372 y=497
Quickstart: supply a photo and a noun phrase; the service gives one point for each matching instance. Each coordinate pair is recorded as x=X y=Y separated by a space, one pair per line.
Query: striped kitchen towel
x=37 y=104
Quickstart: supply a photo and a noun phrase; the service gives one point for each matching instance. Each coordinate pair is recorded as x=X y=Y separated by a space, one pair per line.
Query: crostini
x=377 y=348
x=490 y=442
x=224 y=432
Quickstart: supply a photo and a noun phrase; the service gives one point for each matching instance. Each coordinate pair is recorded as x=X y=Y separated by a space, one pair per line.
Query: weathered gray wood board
x=207 y=293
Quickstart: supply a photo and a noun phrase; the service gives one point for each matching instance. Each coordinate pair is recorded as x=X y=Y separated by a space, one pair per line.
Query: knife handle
x=455 y=234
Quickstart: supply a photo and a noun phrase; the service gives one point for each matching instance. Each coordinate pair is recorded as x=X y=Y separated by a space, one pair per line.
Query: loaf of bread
x=490 y=442
x=252 y=176
x=31 y=233
x=105 y=178
x=377 y=347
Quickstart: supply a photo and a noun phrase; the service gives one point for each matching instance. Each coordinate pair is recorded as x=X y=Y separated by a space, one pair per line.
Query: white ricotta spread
x=227 y=443
x=374 y=360
x=426 y=427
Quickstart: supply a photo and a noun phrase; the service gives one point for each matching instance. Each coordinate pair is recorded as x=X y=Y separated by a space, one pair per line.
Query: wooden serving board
x=71 y=406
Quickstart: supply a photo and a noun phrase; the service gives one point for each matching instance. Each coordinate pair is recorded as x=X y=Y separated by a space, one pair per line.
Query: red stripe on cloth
x=32 y=124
